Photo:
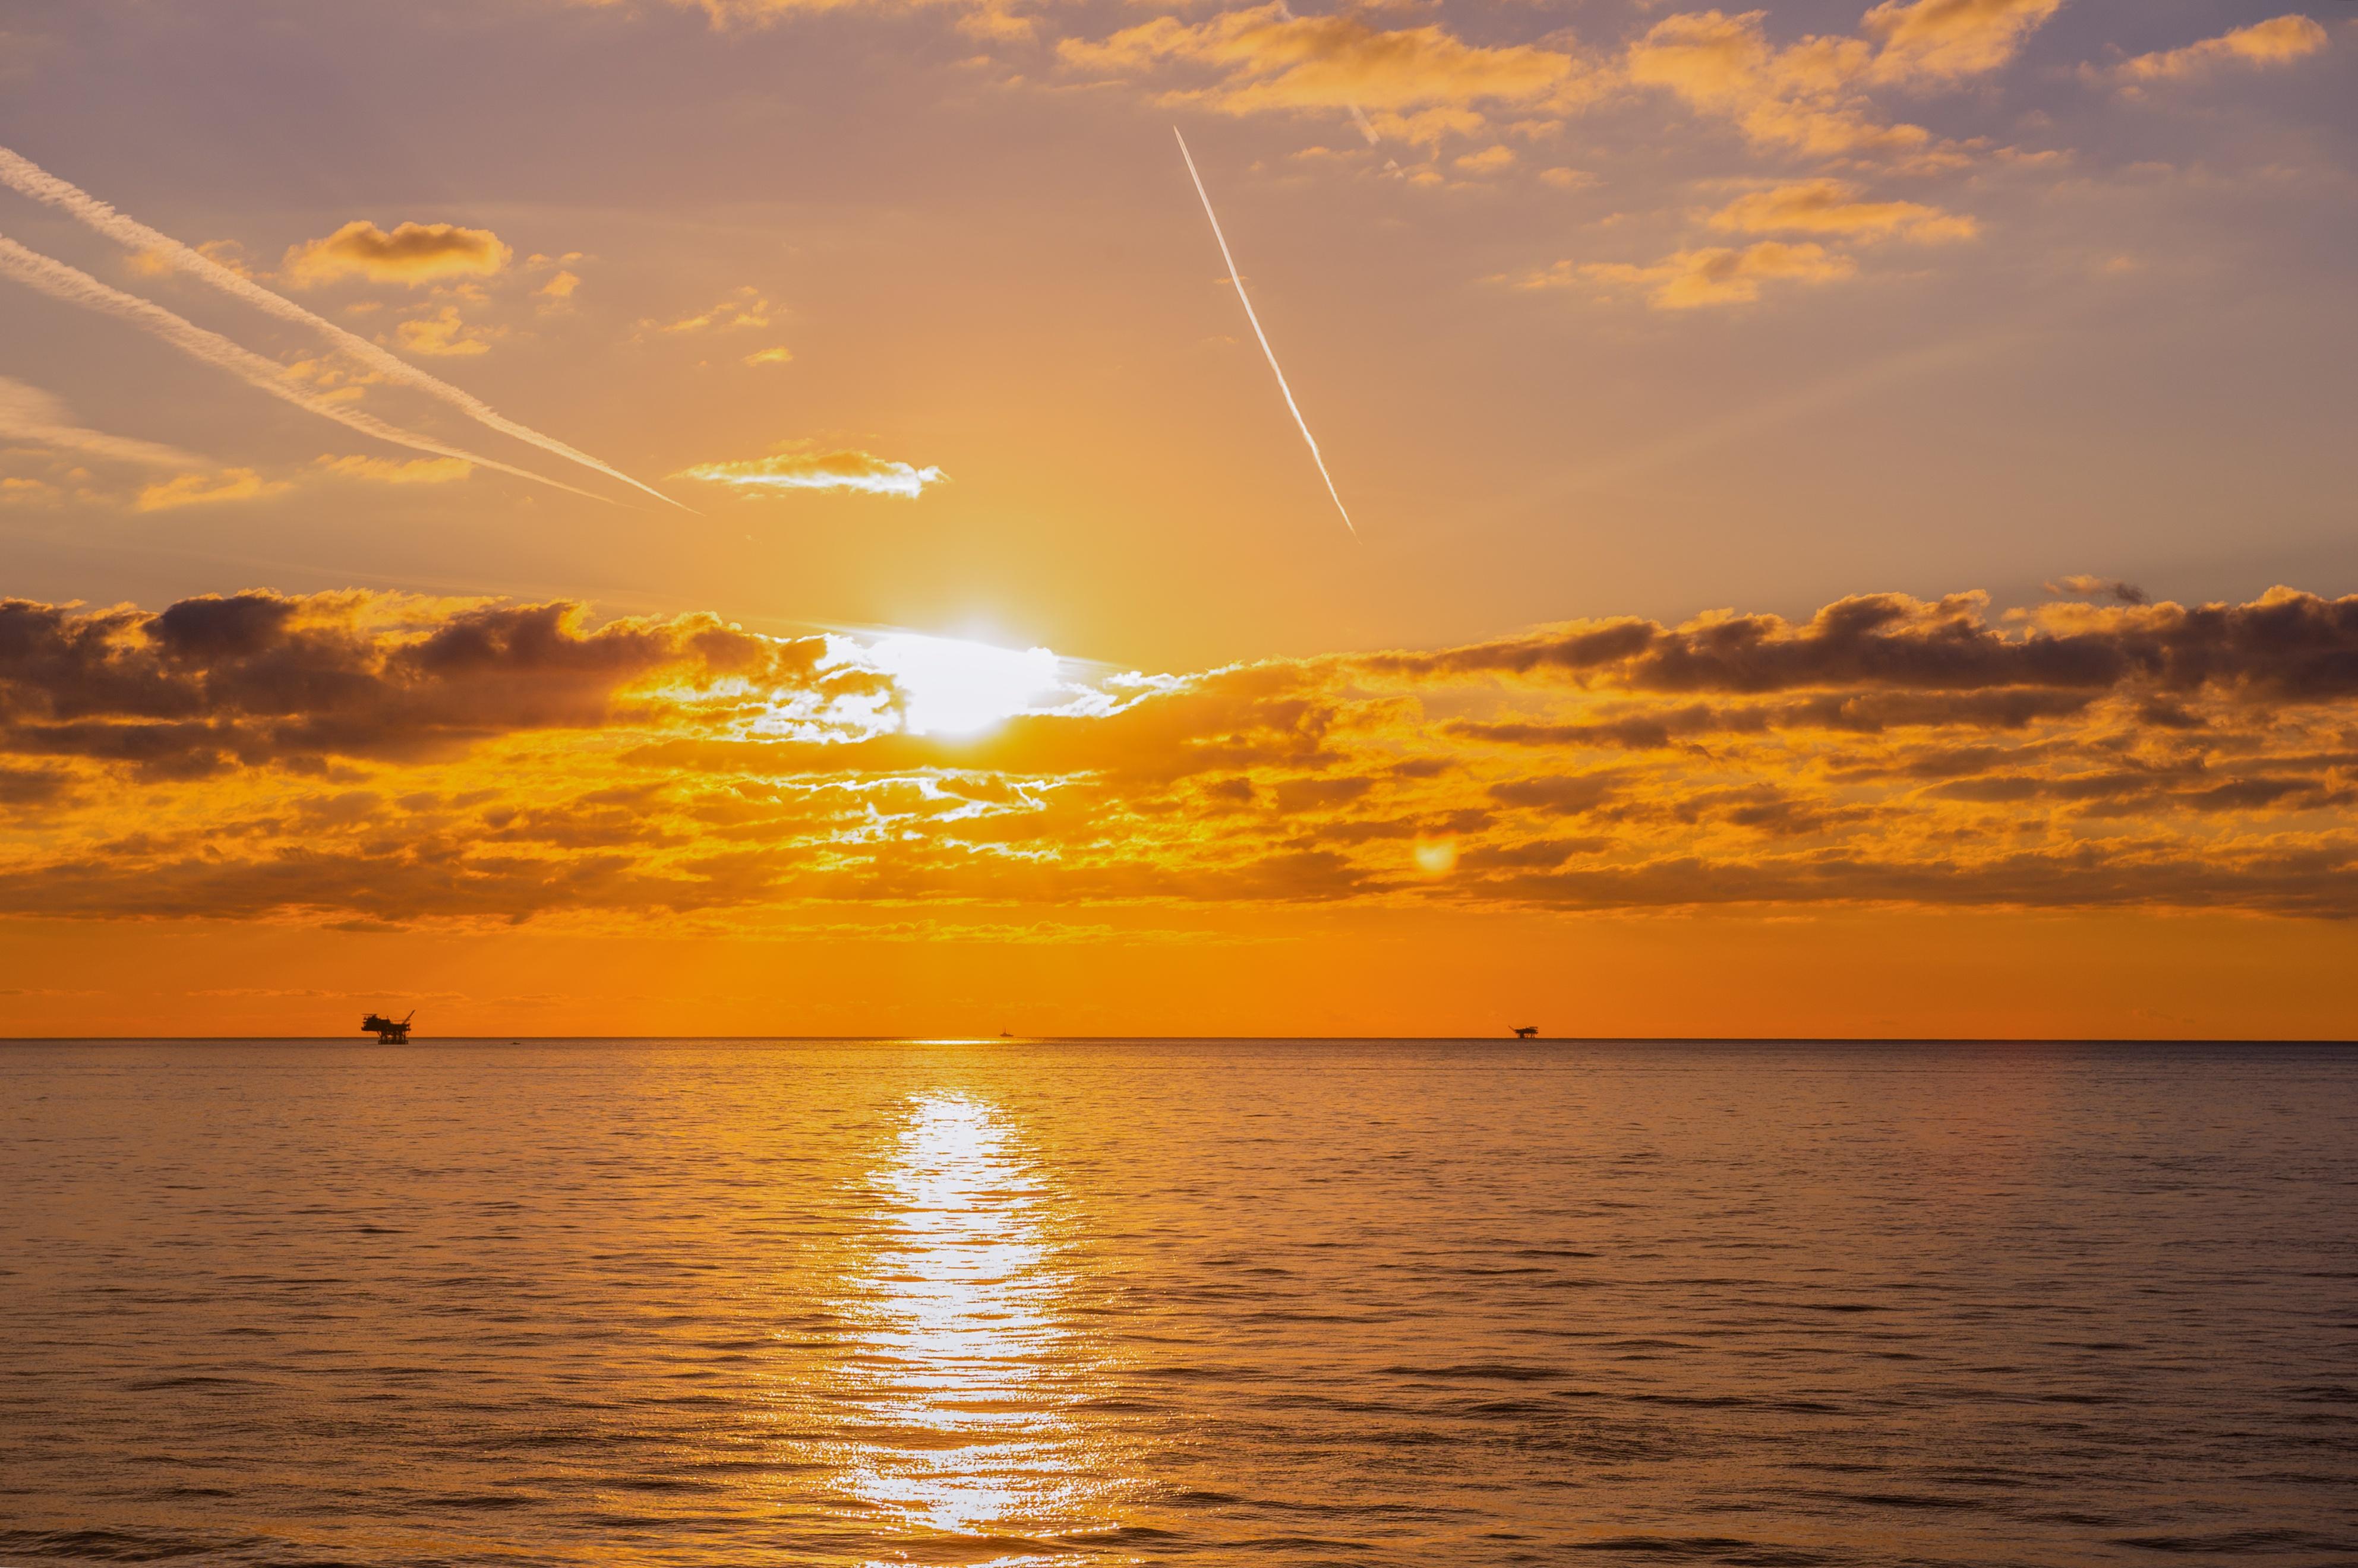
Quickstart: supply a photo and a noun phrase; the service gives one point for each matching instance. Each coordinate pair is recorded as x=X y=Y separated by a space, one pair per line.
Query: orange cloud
x=1941 y=39
x=391 y=470
x=1264 y=57
x=361 y=755
x=30 y=416
x=413 y=253
x=744 y=308
x=1803 y=97
x=800 y=468
x=205 y=489
x=1693 y=279
x=1809 y=96
x=1833 y=207
x=2278 y=41
x=446 y=334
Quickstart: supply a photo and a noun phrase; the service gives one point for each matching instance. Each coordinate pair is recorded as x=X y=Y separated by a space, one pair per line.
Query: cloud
x=1811 y=96
x=1693 y=279
x=744 y=308
x=559 y=287
x=1944 y=40
x=16 y=489
x=2089 y=587
x=32 y=417
x=2284 y=645
x=205 y=489
x=263 y=678
x=801 y=468
x=446 y=334
x=773 y=356
x=1833 y=207
x=413 y=253
x=2278 y=41
x=388 y=471
x=358 y=755
x=1264 y=57
x=1801 y=98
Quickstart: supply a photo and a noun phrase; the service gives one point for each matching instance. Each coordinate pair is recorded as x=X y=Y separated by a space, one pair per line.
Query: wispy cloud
x=2278 y=41
x=1945 y=39
x=743 y=308
x=445 y=334
x=1835 y=207
x=802 y=468
x=1693 y=279
x=206 y=489
x=31 y=416
x=1265 y=57
x=386 y=471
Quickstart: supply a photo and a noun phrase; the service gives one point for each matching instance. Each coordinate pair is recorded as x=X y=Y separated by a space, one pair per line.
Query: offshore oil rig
x=389 y=1031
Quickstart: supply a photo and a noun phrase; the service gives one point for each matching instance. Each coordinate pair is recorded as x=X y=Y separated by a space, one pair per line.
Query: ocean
x=1283 y=1303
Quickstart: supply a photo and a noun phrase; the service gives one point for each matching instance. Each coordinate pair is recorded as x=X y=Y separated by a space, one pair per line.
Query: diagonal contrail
x=1237 y=278
x=27 y=178
x=75 y=286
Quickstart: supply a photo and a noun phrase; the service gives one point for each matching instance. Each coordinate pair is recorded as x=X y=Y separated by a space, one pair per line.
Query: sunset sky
x=1854 y=520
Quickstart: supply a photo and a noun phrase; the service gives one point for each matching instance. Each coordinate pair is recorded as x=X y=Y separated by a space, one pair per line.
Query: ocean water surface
x=1283 y=1303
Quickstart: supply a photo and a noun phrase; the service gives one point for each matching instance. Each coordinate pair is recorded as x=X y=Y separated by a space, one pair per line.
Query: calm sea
x=1362 y=1302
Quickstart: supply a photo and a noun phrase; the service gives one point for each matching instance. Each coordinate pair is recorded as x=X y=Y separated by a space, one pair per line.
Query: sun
x=953 y=687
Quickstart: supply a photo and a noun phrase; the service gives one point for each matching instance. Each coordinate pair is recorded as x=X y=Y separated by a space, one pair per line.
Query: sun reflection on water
x=965 y=1373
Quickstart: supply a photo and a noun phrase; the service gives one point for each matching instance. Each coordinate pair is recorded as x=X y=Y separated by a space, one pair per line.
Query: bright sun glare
x=952 y=687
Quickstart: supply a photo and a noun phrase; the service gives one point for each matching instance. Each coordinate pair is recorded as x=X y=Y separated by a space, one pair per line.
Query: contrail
x=1237 y=278
x=29 y=414
x=60 y=281
x=27 y=178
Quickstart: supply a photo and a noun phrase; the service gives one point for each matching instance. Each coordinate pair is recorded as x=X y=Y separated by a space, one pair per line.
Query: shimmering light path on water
x=1282 y=1302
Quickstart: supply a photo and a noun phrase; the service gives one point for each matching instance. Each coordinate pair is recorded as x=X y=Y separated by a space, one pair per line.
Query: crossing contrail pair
x=1246 y=300
x=70 y=284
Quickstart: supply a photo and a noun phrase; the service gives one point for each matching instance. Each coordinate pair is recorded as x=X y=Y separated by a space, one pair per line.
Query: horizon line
x=354 y=1039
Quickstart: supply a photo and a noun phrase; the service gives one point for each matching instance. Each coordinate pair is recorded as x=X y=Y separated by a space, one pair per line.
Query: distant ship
x=1525 y=1031
x=389 y=1032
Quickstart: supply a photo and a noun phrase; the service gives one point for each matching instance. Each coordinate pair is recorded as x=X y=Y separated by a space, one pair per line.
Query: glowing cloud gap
x=27 y=178
x=1238 y=279
x=74 y=286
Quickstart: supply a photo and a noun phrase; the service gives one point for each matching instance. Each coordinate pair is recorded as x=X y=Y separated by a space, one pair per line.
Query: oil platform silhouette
x=389 y=1032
